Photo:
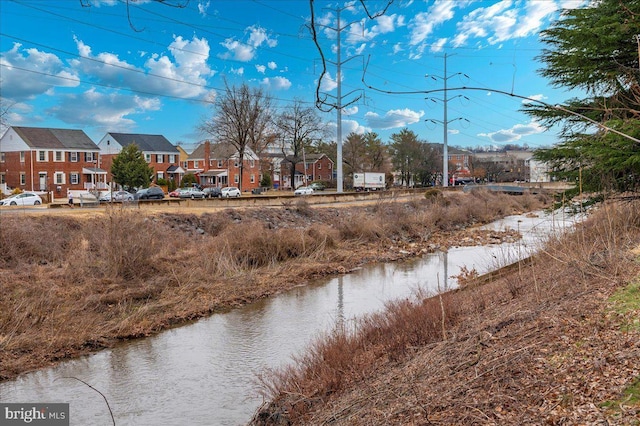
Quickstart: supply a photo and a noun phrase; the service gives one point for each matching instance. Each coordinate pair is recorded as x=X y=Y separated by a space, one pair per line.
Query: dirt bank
x=72 y=285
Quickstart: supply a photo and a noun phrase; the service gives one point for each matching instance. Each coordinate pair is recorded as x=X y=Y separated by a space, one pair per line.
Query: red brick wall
x=13 y=167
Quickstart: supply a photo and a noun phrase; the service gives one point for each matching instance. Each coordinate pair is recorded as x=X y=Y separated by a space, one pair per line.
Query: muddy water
x=206 y=373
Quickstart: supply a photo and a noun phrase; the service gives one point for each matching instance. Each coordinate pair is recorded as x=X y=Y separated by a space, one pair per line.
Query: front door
x=43 y=181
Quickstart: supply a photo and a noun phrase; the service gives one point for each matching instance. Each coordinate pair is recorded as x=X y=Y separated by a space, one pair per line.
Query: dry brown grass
x=76 y=284
x=535 y=346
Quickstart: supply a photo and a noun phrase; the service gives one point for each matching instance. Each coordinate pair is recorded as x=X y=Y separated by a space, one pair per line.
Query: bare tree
x=241 y=118
x=298 y=128
x=5 y=107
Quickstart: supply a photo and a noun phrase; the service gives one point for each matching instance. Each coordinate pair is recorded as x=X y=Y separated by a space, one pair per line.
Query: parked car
x=151 y=193
x=230 y=191
x=303 y=190
x=317 y=186
x=175 y=193
x=212 y=192
x=117 y=196
x=23 y=199
x=191 y=192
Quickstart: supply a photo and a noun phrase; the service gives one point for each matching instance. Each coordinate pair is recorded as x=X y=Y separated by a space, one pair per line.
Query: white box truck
x=369 y=181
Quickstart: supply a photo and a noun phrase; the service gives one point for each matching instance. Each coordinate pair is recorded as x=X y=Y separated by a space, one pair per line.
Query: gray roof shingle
x=47 y=138
x=146 y=143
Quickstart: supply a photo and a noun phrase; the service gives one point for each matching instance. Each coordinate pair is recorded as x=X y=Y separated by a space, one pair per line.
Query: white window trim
x=46 y=156
x=55 y=156
x=71 y=178
x=73 y=157
x=61 y=175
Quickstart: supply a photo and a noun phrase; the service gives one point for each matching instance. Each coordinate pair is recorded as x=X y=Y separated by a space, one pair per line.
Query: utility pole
x=340 y=178
x=445 y=122
x=338 y=105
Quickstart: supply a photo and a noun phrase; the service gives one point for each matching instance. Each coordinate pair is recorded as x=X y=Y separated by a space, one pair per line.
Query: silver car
x=117 y=196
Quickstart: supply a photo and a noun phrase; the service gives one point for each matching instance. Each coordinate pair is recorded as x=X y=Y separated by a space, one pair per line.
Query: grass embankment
x=72 y=285
x=556 y=341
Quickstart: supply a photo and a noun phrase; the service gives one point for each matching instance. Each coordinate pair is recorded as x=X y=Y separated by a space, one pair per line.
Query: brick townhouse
x=50 y=160
x=217 y=164
x=162 y=155
x=315 y=167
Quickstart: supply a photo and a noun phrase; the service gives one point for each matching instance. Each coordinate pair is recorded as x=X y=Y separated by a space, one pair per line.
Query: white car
x=117 y=196
x=24 y=199
x=303 y=190
x=230 y=191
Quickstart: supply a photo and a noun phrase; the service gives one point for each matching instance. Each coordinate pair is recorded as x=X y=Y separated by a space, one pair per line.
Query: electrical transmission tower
x=445 y=122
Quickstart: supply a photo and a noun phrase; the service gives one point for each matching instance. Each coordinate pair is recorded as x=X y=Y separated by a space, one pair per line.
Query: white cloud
x=539 y=97
x=182 y=75
x=272 y=65
x=438 y=45
x=348 y=126
x=246 y=51
x=261 y=69
x=423 y=24
x=515 y=133
x=27 y=73
x=105 y=111
x=350 y=111
x=359 y=32
x=276 y=83
x=393 y=118
x=328 y=83
x=202 y=7
x=237 y=71
x=504 y=20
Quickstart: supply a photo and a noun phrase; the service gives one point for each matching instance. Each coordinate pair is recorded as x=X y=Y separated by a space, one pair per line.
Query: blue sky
x=100 y=65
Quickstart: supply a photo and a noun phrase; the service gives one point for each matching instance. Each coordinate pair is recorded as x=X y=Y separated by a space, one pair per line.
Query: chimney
x=207 y=155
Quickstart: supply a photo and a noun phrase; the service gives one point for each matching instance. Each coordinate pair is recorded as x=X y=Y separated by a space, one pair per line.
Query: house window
x=2 y=157
x=160 y=175
x=253 y=178
x=42 y=155
x=90 y=157
x=252 y=163
x=3 y=178
x=172 y=158
x=159 y=158
x=22 y=156
x=59 y=178
x=319 y=166
x=59 y=156
x=236 y=179
x=74 y=178
x=219 y=164
x=23 y=178
x=329 y=166
x=196 y=163
x=73 y=157
x=185 y=164
x=147 y=158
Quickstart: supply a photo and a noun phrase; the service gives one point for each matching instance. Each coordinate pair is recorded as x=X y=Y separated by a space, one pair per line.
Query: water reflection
x=205 y=373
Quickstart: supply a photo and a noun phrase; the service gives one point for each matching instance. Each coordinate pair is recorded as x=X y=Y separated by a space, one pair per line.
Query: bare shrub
x=263 y=247
x=21 y=239
x=360 y=226
x=122 y=244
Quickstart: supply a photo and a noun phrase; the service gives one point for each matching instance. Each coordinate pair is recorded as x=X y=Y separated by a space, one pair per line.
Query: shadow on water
x=205 y=373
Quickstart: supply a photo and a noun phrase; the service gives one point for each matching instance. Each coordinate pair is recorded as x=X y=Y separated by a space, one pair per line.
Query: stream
x=205 y=373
